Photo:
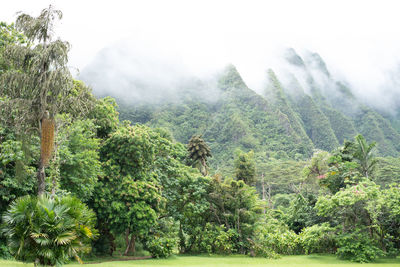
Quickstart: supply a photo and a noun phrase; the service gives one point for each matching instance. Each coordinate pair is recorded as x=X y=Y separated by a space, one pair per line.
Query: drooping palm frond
x=364 y=155
x=198 y=151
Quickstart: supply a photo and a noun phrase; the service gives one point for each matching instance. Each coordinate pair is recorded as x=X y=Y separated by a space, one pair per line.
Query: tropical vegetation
x=289 y=171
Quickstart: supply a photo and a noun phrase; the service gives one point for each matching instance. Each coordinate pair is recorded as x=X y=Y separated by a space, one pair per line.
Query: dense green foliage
x=387 y=171
x=128 y=196
x=48 y=231
x=268 y=190
x=245 y=168
x=78 y=158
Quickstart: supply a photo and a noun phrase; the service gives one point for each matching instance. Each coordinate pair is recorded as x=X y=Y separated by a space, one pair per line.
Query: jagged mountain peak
x=293 y=58
x=314 y=61
x=230 y=78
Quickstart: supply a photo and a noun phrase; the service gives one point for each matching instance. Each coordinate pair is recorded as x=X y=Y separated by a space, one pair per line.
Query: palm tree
x=37 y=83
x=364 y=155
x=49 y=231
x=199 y=151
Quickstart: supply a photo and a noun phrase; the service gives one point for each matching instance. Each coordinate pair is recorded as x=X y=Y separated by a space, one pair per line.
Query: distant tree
x=280 y=176
x=340 y=174
x=318 y=165
x=387 y=171
x=9 y=35
x=316 y=169
x=199 y=152
x=245 y=167
x=80 y=101
x=348 y=164
x=364 y=155
x=36 y=83
x=355 y=211
x=235 y=206
x=105 y=116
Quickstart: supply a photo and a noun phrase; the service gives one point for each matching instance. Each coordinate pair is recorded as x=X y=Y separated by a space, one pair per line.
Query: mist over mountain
x=298 y=106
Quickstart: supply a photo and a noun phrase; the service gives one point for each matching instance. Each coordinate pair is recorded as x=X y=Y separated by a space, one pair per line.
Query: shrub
x=48 y=231
x=225 y=241
x=318 y=239
x=358 y=246
x=217 y=239
x=272 y=238
x=4 y=252
x=161 y=247
x=208 y=238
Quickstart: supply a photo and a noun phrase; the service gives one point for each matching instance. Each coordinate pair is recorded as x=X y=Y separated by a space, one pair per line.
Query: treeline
x=74 y=179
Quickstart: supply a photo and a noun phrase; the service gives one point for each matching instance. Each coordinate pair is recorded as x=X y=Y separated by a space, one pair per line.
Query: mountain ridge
x=290 y=119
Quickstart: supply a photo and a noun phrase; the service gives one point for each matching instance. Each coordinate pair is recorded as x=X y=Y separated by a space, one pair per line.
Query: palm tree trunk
x=41 y=178
x=204 y=171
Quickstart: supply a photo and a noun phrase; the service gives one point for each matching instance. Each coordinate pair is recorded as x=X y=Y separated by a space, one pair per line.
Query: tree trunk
x=181 y=239
x=41 y=175
x=269 y=196
x=56 y=165
x=191 y=244
x=263 y=191
x=204 y=171
x=41 y=179
x=130 y=243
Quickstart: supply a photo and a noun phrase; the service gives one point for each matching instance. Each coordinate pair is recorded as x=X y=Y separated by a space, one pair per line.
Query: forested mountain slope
x=346 y=114
x=238 y=119
x=314 y=122
x=301 y=109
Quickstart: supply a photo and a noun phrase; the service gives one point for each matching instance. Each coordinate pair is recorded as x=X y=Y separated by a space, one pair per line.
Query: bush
x=4 y=252
x=225 y=242
x=318 y=239
x=258 y=249
x=161 y=247
x=48 y=231
x=272 y=238
x=208 y=238
x=358 y=246
x=217 y=239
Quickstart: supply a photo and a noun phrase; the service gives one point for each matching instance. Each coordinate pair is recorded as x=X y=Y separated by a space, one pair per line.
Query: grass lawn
x=239 y=260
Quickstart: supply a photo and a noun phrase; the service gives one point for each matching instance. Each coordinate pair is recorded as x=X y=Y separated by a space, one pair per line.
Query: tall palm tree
x=37 y=82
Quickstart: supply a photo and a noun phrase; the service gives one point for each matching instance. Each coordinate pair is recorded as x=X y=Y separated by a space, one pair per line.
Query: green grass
x=239 y=260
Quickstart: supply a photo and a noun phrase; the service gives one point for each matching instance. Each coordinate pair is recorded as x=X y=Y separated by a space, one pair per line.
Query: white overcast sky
x=358 y=39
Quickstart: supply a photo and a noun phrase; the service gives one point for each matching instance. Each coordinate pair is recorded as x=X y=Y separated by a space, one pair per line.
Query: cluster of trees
x=75 y=179
x=72 y=173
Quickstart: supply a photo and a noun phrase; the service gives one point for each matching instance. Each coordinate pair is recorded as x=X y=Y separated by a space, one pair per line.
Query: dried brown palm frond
x=47 y=140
